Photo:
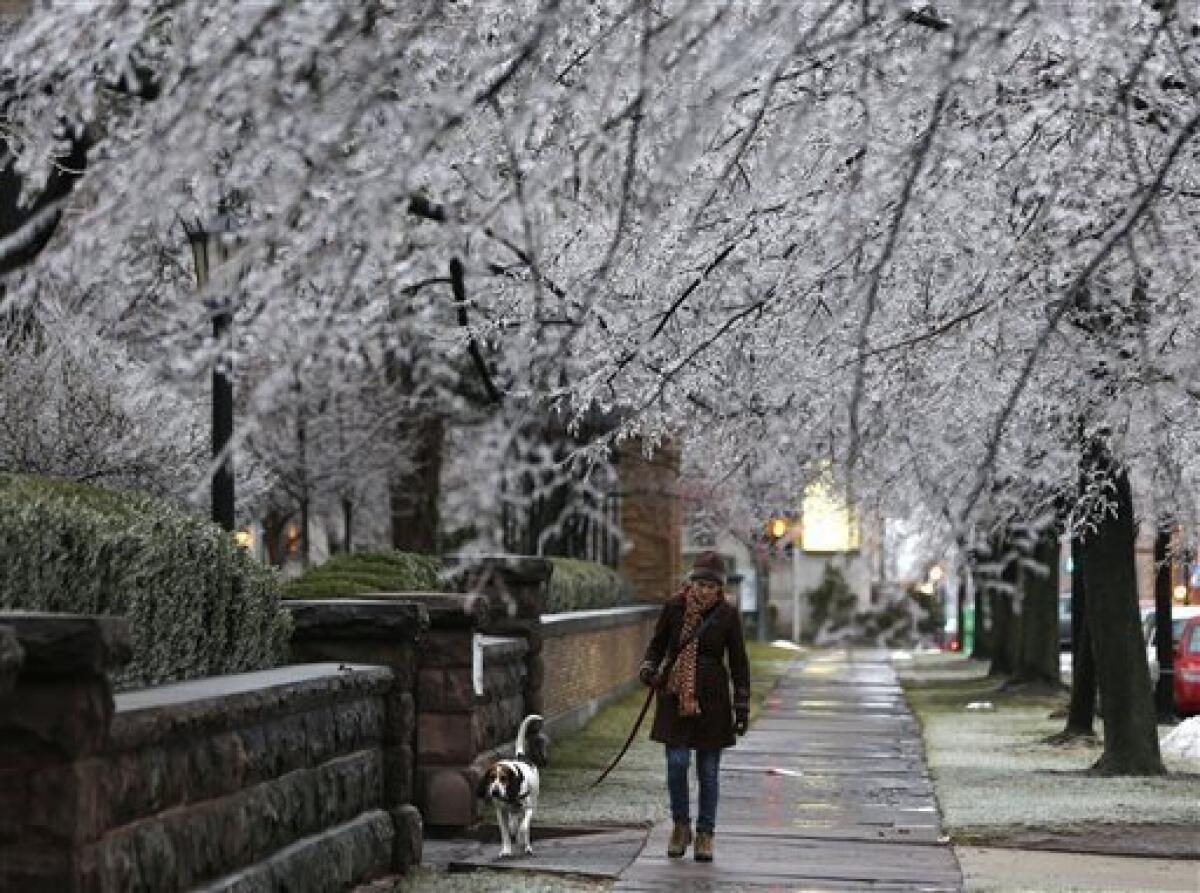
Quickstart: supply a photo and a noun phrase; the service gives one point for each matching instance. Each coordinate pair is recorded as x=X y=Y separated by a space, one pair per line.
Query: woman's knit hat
x=708 y=566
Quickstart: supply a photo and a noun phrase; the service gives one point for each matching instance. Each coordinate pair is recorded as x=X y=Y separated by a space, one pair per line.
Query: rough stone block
x=447 y=649
x=37 y=868
x=399 y=770
x=458 y=689
x=447 y=797
x=430 y=686
x=183 y=846
x=536 y=672
x=400 y=718
x=64 y=645
x=534 y=703
x=399 y=656
x=390 y=619
x=336 y=858
x=445 y=738
x=11 y=658
x=408 y=842
x=57 y=717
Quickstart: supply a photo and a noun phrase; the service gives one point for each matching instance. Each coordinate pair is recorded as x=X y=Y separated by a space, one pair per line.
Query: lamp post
x=777 y=529
x=212 y=244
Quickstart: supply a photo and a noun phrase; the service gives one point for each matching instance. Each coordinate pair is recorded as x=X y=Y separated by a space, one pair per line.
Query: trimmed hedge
x=360 y=573
x=198 y=605
x=575 y=585
x=578 y=585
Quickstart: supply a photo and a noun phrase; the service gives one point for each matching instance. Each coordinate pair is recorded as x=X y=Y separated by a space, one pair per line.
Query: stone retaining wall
x=269 y=781
x=592 y=658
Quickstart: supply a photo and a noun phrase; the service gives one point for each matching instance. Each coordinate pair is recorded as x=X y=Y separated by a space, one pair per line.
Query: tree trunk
x=1081 y=713
x=1037 y=657
x=274 y=525
x=981 y=648
x=302 y=453
x=347 y=523
x=305 y=546
x=1003 y=625
x=1130 y=731
x=1005 y=619
x=414 y=496
x=1164 y=688
x=960 y=607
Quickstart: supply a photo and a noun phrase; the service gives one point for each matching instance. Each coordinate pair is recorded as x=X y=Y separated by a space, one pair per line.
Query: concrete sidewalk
x=828 y=791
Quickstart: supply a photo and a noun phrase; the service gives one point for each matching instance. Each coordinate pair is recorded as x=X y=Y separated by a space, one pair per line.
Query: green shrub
x=575 y=585
x=197 y=604
x=361 y=573
x=832 y=605
x=578 y=585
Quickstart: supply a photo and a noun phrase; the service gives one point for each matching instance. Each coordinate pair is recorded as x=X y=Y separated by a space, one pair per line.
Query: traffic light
x=777 y=529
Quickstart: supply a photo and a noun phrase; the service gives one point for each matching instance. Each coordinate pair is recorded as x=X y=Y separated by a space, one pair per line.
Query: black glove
x=650 y=677
x=741 y=720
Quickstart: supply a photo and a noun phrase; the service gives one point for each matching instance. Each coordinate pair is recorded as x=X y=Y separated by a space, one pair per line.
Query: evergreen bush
x=579 y=585
x=198 y=605
x=832 y=605
x=575 y=584
x=361 y=573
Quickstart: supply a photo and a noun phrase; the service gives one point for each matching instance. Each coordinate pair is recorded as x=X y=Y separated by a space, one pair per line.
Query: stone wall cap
x=218 y=703
x=357 y=618
x=453 y=610
x=571 y=622
x=56 y=645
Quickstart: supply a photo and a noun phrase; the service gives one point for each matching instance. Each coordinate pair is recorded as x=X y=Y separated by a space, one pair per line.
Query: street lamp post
x=211 y=244
x=795 y=586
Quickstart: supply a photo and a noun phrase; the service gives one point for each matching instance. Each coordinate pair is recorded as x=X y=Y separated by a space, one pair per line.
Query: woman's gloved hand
x=741 y=720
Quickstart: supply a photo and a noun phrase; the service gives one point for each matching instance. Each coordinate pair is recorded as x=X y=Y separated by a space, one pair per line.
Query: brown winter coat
x=713 y=728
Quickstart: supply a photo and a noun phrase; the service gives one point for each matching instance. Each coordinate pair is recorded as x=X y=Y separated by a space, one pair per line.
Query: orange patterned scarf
x=696 y=603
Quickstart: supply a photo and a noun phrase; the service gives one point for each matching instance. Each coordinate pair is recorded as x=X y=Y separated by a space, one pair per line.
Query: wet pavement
x=828 y=791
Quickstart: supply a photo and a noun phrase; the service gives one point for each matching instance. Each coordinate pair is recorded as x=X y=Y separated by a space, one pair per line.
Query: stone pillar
x=516 y=586
x=651 y=519
x=11 y=658
x=449 y=714
x=56 y=713
x=385 y=632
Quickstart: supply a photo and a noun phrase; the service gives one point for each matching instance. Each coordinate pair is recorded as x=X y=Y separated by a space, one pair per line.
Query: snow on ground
x=1183 y=741
x=991 y=769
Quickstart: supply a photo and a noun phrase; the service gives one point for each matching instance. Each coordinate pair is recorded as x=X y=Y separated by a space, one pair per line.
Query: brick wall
x=591 y=656
x=651 y=519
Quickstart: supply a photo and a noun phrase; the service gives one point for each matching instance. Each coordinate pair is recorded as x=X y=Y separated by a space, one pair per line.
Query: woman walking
x=693 y=709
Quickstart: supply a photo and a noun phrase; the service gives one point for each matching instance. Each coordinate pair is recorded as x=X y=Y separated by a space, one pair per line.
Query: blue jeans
x=708 y=769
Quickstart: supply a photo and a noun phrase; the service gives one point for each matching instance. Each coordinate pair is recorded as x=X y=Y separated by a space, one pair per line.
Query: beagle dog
x=512 y=786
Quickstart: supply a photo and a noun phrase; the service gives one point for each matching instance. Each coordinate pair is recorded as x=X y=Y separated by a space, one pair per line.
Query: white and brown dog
x=512 y=786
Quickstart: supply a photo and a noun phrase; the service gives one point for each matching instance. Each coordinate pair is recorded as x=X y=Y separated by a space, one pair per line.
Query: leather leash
x=666 y=672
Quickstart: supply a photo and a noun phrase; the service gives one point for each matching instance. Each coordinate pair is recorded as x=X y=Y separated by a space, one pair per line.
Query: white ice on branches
x=708 y=219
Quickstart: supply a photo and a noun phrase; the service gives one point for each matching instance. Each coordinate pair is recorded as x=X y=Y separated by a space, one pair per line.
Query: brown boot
x=681 y=836
x=704 y=846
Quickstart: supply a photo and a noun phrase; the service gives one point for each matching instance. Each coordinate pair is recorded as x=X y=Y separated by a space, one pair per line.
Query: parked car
x=1064 y=621
x=1180 y=614
x=1187 y=667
